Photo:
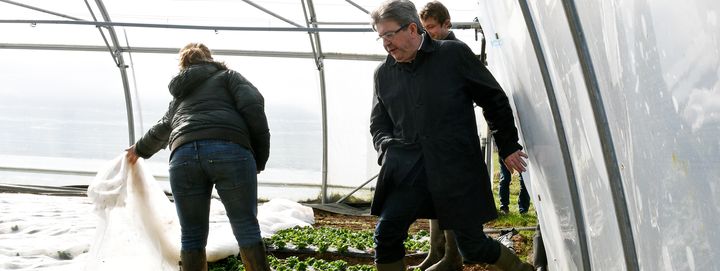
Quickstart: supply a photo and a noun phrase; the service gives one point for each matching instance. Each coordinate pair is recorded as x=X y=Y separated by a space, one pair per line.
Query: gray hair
x=399 y=11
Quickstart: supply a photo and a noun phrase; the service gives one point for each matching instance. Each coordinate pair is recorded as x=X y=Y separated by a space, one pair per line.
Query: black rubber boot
x=539 y=256
x=253 y=257
x=193 y=260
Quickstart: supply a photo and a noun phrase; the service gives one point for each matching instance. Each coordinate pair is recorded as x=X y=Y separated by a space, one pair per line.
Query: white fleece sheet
x=125 y=223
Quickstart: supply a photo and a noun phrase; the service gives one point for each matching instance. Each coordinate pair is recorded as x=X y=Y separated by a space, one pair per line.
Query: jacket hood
x=190 y=78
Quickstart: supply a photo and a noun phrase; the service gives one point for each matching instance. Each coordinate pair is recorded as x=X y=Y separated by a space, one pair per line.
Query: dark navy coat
x=425 y=108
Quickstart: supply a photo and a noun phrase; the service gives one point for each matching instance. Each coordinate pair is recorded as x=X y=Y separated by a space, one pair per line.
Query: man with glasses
x=423 y=127
x=443 y=254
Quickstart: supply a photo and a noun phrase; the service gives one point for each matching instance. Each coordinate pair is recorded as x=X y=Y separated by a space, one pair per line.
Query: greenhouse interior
x=617 y=104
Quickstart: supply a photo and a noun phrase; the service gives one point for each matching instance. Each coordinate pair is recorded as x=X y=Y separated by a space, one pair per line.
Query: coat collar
x=450 y=36
x=428 y=44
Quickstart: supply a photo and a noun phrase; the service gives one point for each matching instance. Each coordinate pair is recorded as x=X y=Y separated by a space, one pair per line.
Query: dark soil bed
x=329 y=219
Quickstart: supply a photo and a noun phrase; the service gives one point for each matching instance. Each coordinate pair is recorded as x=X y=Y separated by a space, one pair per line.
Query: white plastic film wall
x=656 y=64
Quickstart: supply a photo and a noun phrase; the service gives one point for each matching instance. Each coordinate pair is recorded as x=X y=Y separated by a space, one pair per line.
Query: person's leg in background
x=504 y=192
x=191 y=190
x=523 y=198
x=504 y=188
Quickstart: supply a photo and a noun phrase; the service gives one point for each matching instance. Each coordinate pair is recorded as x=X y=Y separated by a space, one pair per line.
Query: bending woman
x=218 y=134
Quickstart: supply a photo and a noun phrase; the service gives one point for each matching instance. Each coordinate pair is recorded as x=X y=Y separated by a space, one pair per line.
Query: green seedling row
x=340 y=240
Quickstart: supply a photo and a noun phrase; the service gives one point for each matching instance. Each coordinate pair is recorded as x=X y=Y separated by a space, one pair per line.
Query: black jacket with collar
x=451 y=36
x=211 y=101
x=427 y=105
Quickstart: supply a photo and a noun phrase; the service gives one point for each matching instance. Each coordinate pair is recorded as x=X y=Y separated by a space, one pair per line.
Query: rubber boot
x=508 y=261
x=437 y=247
x=539 y=256
x=253 y=257
x=394 y=266
x=193 y=260
x=452 y=260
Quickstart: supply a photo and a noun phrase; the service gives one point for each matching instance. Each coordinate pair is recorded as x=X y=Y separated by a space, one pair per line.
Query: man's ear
x=413 y=27
x=447 y=23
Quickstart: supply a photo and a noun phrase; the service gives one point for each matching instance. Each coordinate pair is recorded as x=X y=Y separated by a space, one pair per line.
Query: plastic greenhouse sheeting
x=655 y=68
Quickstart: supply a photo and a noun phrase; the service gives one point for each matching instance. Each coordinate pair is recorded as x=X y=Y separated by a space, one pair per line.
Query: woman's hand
x=516 y=161
x=131 y=155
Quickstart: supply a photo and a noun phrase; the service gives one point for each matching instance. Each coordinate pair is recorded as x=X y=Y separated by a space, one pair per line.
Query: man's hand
x=390 y=141
x=516 y=161
x=131 y=155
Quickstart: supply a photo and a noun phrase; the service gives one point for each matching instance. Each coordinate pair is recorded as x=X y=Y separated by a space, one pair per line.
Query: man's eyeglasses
x=391 y=34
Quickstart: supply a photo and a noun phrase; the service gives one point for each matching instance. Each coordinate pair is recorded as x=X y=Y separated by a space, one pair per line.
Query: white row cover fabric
x=138 y=227
x=139 y=230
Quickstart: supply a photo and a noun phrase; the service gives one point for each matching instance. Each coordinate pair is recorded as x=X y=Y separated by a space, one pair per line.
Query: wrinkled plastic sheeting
x=279 y=214
x=505 y=238
x=138 y=227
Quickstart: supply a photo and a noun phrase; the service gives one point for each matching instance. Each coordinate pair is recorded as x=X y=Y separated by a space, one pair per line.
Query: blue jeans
x=504 y=190
x=401 y=209
x=195 y=168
